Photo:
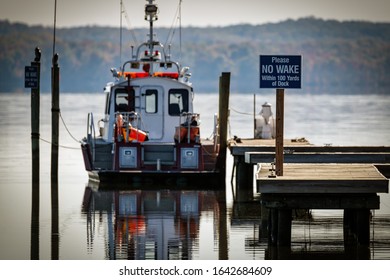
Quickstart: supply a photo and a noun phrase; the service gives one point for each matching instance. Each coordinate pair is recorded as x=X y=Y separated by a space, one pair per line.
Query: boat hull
x=154 y=166
x=128 y=179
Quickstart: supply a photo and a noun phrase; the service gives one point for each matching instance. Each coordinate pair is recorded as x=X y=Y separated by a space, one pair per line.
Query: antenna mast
x=120 y=34
x=180 y=26
x=151 y=11
x=54 y=27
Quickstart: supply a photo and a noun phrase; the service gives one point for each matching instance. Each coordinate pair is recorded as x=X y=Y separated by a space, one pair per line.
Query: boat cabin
x=154 y=105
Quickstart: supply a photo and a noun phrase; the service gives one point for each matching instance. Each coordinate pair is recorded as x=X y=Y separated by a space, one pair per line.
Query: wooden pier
x=315 y=177
x=322 y=179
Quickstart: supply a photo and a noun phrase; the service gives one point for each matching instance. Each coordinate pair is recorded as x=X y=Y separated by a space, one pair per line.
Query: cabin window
x=178 y=101
x=151 y=101
x=124 y=100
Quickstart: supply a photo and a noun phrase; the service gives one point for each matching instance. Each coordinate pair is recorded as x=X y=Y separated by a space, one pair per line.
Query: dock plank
x=323 y=178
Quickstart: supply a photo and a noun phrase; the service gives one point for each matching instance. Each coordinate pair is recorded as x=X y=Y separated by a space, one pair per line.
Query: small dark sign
x=31 y=79
x=280 y=71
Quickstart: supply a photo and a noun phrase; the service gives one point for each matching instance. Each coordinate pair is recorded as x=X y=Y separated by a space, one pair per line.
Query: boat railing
x=146 y=45
x=189 y=125
x=160 y=65
x=157 y=57
x=130 y=119
x=91 y=134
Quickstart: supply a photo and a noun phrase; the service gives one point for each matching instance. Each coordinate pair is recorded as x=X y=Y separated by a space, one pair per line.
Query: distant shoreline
x=348 y=57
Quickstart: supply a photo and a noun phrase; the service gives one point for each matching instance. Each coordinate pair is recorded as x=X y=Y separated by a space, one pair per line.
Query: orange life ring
x=135 y=134
x=181 y=134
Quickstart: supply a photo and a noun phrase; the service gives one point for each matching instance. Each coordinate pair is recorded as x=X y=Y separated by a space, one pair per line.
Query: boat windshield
x=178 y=101
x=124 y=100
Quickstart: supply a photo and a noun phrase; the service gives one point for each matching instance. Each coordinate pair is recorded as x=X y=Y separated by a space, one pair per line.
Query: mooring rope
x=242 y=113
x=70 y=134
x=58 y=145
x=66 y=127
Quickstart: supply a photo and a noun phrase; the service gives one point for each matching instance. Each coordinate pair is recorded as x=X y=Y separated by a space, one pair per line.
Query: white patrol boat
x=150 y=129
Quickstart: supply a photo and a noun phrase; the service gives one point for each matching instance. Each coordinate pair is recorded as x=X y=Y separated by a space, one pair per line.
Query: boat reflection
x=150 y=224
x=167 y=224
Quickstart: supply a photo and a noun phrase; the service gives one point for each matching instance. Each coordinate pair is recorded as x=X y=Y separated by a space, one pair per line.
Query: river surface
x=170 y=224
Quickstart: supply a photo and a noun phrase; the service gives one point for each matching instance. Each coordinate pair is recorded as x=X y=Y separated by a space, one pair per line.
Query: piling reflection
x=55 y=234
x=318 y=250
x=154 y=224
x=34 y=235
x=350 y=243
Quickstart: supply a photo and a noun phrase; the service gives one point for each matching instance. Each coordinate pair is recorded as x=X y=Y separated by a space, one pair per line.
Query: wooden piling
x=35 y=104
x=273 y=227
x=284 y=227
x=224 y=93
x=244 y=175
x=357 y=232
x=55 y=112
x=363 y=227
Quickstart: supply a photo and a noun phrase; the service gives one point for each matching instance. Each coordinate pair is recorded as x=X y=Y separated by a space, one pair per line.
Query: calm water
x=174 y=224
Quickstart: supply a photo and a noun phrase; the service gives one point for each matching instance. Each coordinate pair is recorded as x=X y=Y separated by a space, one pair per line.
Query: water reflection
x=147 y=224
x=34 y=228
x=55 y=234
x=176 y=224
x=35 y=221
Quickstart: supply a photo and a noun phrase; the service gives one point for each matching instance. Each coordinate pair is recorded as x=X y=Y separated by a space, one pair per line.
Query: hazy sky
x=194 y=12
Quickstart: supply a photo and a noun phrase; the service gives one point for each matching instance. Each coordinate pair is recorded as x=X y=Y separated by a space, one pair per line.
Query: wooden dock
x=322 y=179
x=314 y=177
x=300 y=150
x=249 y=152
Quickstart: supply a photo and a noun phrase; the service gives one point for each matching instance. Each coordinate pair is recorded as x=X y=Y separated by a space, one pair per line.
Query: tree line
x=337 y=57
